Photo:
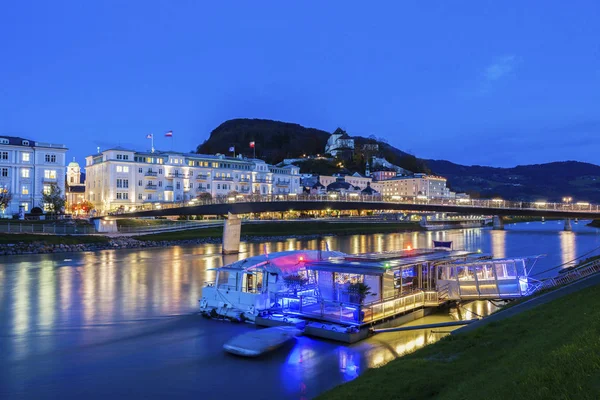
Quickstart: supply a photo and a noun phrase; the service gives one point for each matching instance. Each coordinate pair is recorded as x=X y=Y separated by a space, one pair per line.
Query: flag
x=149 y=136
x=169 y=134
x=252 y=144
x=232 y=148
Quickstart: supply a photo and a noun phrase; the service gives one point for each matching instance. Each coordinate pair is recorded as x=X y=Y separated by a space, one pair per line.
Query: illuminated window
x=25 y=189
x=25 y=157
x=25 y=173
x=25 y=207
x=50 y=173
x=47 y=189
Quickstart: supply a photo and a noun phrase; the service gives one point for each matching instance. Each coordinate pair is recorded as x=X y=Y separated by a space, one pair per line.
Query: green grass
x=287 y=228
x=549 y=352
x=139 y=222
x=14 y=238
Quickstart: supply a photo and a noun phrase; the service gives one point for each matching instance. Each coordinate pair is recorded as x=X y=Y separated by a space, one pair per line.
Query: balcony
x=262 y=180
x=201 y=190
x=151 y=174
x=172 y=175
x=223 y=178
x=201 y=177
x=151 y=187
x=169 y=188
x=244 y=181
x=244 y=190
x=282 y=183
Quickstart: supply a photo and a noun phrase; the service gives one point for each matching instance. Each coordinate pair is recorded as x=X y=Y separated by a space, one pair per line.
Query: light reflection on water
x=85 y=313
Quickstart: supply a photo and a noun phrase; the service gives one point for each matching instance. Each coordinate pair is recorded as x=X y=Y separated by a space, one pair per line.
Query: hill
x=551 y=181
x=276 y=140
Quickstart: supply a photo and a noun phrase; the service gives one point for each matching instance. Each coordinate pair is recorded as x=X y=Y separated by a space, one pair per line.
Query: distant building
x=341 y=186
x=28 y=168
x=75 y=187
x=427 y=186
x=380 y=163
x=355 y=179
x=119 y=178
x=383 y=175
x=339 y=144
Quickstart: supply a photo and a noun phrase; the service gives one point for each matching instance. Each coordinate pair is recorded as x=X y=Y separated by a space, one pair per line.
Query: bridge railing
x=360 y=198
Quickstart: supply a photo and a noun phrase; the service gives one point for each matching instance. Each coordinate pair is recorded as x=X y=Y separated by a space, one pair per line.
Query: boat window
x=225 y=280
x=252 y=282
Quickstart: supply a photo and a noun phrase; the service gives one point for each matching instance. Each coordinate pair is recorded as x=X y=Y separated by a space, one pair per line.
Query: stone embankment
x=126 y=243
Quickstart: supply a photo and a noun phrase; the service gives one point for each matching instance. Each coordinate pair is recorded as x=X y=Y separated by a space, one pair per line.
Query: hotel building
x=27 y=168
x=429 y=186
x=124 y=179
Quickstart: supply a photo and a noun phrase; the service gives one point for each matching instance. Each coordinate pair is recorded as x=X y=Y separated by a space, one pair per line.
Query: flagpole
x=152 y=141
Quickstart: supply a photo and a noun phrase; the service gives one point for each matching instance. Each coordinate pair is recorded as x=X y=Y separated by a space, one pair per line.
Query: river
x=123 y=323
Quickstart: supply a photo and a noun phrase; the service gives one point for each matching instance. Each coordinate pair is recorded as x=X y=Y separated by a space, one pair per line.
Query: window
x=50 y=158
x=47 y=189
x=119 y=183
x=159 y=183
x=218 y=186
x=140 y=182
x=178 y=185
x=72 y=180
x=125 y=183
x=140 y=170
x=3 y=155
x=208 y=186
x=25 y=142
x=160 y=171
x=149 y=196
x=24 y=173
x=50 y=173
x=4 y=141
x=119 y=157
x=25 y=157
x=25 y=207
x=122 y=168
x=25 y=189
x=139 y=196
x=122 y=196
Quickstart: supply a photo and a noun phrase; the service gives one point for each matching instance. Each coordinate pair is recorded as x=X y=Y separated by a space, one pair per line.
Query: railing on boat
x=312 y=306
x=575 y=274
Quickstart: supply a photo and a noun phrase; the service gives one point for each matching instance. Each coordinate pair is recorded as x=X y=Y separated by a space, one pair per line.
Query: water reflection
x=498 y=244
x=568 y=248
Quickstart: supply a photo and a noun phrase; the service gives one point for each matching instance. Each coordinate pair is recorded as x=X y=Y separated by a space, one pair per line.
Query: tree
x=5 y=198
x=83 y=207
x=53 y=198
x=204 y=197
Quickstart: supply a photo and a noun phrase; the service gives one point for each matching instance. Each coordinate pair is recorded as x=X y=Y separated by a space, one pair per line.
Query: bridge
x=282 y=203
x=235 y=205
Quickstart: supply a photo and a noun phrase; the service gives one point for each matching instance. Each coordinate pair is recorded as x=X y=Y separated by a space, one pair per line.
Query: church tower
x=73 y=173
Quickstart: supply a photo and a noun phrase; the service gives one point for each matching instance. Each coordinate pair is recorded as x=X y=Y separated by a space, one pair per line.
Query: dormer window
x=25 y=142
x=3 y=141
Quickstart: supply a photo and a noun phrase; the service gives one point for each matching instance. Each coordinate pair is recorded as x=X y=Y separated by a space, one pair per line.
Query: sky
x=496 y=83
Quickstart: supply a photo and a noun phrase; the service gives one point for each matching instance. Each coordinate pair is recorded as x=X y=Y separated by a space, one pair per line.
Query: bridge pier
x=568 y=226
x=498 y=223
x=232 y=231
x=105 y=225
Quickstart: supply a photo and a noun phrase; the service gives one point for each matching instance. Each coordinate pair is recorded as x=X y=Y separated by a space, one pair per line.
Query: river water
x=124 y=324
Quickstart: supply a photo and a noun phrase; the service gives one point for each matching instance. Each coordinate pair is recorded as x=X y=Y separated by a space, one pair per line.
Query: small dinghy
x=261 y=341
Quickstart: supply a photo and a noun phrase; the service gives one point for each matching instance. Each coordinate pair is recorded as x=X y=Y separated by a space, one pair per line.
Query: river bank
x=15 y=244
x=489 y=362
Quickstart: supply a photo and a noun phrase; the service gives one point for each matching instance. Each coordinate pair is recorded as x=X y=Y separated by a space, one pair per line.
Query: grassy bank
x=550 y=352
x=13 y=238
x=288 y=228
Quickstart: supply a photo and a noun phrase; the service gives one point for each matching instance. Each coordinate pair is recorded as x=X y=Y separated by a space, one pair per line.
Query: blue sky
x=476 y=82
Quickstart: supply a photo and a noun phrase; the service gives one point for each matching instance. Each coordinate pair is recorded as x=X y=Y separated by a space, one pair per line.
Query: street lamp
x=567 y=199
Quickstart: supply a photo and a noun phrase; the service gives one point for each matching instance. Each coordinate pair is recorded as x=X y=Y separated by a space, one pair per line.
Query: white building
x=355 y=179
x=122 y=178
x=75 y=188
x=339 y=142
x=429 y=186
x=27 y=168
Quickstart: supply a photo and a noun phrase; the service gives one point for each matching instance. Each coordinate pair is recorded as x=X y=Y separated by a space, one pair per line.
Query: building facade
x=28 y=168
x=125 y=179
x=355 y=179
x=383 y=175
x=339 y=142
x=418 y=185
x=75 y=187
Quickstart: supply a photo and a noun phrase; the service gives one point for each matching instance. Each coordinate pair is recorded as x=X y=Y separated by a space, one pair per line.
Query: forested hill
x=276 y=140
x=551 y=181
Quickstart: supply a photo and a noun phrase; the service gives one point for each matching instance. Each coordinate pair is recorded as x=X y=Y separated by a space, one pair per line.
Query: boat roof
x=280 y=262
x=379 y=263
